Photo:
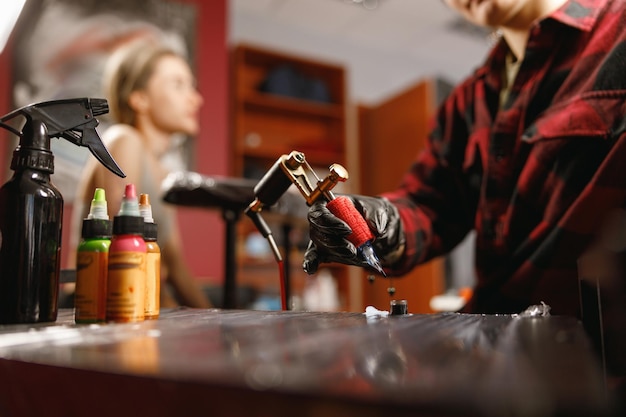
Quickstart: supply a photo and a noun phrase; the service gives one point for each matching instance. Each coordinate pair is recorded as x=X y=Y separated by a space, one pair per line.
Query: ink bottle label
x=126 y=286
x=153 y=269
x=153 y=288
x=92 y=262
x=90 y=294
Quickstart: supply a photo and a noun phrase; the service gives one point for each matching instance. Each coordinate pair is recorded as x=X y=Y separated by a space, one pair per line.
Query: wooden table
x=194 y=362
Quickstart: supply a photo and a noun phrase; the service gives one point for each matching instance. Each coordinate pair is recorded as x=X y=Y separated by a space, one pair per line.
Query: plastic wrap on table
x=537 y=310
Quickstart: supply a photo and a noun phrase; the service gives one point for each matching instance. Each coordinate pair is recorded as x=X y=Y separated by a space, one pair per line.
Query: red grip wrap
x=343 y=208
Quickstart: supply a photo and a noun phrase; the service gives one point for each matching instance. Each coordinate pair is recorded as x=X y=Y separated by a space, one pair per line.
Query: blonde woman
x=152 y=98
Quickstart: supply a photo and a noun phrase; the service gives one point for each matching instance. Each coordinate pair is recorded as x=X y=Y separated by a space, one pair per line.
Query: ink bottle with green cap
x=153 y=259
x=126 y=281
x=92 y=263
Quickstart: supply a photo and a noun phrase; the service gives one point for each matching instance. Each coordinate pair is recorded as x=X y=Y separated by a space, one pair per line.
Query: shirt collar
x=581 y=14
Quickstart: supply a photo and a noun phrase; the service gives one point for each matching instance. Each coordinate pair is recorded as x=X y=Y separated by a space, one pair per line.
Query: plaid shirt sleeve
x=534 y=177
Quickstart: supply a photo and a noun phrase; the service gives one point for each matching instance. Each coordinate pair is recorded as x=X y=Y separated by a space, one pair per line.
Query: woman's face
x=173 y=101
x=489 y=13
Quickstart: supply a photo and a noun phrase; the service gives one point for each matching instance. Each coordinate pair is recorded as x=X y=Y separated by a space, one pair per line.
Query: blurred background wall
x=386 y=46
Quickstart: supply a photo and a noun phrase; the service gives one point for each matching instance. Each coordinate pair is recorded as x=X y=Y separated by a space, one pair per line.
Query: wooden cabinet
x=280 y=103
x=391 y=135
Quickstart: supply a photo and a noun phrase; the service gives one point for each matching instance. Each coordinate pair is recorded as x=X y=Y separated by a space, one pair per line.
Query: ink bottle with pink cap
x=126 y=281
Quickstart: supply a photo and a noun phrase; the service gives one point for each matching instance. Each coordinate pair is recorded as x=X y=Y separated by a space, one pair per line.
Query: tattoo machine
x=294 y=169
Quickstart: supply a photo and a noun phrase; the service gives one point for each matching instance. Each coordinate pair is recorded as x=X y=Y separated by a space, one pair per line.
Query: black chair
x=232 y=196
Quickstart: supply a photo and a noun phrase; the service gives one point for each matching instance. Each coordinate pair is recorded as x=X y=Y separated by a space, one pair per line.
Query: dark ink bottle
x=31 y=208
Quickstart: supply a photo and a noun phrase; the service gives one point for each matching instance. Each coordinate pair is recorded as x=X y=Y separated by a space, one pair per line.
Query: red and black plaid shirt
x=534 y=177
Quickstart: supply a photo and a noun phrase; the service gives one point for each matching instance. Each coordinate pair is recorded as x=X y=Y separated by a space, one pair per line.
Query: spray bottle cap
x=71 y=119
x=149 y=226
x=128 y=219
x=97 y=223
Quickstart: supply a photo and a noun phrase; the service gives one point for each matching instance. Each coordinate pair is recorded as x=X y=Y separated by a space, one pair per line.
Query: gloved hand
x=328 y=233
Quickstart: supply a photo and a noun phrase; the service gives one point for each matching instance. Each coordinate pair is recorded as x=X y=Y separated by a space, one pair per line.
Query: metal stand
x=232 y=196
x=286 y=231
x=229 y=295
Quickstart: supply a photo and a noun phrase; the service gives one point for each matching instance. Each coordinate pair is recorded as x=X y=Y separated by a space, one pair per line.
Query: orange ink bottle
x=153 y=259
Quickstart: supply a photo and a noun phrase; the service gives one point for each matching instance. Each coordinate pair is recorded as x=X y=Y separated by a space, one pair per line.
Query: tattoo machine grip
x=343 y=209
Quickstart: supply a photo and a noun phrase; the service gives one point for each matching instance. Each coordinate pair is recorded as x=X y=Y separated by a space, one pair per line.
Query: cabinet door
x=391 y=135
x=267 y=123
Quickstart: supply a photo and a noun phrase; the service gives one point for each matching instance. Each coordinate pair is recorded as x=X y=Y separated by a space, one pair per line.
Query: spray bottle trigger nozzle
x=92 y=141
x=99 y=106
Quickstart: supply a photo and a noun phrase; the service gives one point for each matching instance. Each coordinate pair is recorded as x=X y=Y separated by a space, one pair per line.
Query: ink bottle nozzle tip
x=130 y=204
x=129 y=191
x=99 y=195
x=98 y=208
x=145 y=209
x=144 y=199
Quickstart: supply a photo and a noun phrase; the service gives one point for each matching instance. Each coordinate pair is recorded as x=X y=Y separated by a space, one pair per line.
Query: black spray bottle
x=31 y=208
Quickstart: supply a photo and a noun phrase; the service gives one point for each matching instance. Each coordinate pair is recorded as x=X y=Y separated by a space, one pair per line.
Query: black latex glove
x=328 y=233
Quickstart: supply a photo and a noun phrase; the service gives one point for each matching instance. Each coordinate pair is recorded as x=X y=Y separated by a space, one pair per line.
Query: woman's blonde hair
x=128 y=70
